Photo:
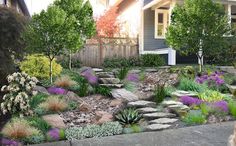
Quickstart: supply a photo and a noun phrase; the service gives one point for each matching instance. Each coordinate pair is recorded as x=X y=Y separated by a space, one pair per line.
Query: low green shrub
x=190 y=85
x=39 y=123
x=106 y=129
x=37 y=99
x=152 y=60
x=83 y=88
x=194 y=118
x=103 y=90
x=72 y=105
x=38 y=66
x=232 y=108
x=123 y=73
x=133 y=129
x=128 y=116
x=159 y=93
x=117 y=62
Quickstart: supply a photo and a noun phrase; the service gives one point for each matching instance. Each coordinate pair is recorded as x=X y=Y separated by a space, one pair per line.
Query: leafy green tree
x=198 y=26
x=84 y=24
x=65 y=25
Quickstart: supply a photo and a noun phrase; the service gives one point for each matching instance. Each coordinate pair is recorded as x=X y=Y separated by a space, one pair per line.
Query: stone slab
x=163 y=121
x=158 y=115
x=124 y=94
x=141 y=104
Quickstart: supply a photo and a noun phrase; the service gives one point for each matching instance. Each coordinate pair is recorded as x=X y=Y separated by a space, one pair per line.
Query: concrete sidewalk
x=205 y=135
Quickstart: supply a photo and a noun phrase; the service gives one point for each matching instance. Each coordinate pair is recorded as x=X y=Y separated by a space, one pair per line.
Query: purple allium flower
x=132 y=77
x=54 y=134
x=9 y=142
x=88 y=74
x=212 y=79
x=223 y=105
x=187 y=100
x=57 y=91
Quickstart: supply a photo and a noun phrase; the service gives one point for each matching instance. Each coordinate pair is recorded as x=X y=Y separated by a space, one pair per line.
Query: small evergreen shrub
x=38 y=66
x=159 y=93
x=103 y=90
x=39 y=123
x=123 y=73
x=152 y=60
x=37 y=99
x=232 y=108
x=89 y=131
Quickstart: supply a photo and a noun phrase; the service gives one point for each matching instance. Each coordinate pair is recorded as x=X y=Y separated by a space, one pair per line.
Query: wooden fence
x=96 y=50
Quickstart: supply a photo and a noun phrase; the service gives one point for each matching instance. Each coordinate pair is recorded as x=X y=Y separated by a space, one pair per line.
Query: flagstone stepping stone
x=151 y=70
x=171 y=102
x=141 y=103
x=97 y=69
x=105 y=75
x=156 y=127
x=158 y=115
x=113 y=85
x=147 y=110
x=109 y=80
x=55 y=120
x=124 y=94
x=180 y=93
x=163 y=121
x=135 y=71
x=179 y=107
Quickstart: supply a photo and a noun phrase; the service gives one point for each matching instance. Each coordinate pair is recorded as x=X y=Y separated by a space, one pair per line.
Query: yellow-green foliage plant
x=39 y=66
x=211 y=96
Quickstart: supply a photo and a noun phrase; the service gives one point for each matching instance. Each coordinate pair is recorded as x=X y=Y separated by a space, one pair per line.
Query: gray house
x=155 y=17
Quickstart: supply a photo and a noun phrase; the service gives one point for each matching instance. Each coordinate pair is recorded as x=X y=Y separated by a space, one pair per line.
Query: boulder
x=180 y=93
x=156 y=127
x=54 y=120
x=124 y=94
x=232 y=89
x=158 y=115
x=141 y=104
x=116 y=102
x=109 y=80
x=72 y=96
x=41 y=89
x=163 y=121
x=85 y=107
x=103 y=117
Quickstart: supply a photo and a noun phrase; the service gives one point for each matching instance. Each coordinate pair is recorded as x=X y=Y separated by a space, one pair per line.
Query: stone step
x=105 y=75
x=109 y=81
x=148 y=110
x=157 y=127
x=124 y=94
x=141 y=104
x=180 y=93
x=163 y=121
x=97 y=69
x=171 y=102
x=113 y=85
x=156 y=115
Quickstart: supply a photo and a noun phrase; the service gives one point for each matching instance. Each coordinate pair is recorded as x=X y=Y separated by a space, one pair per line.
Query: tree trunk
x=70 y=60
x=50 y=73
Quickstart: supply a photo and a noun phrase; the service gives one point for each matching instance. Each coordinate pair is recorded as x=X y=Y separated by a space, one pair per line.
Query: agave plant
x=128 y=116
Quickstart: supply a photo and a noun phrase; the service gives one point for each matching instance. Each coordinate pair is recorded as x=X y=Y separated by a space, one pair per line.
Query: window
x=161 y=22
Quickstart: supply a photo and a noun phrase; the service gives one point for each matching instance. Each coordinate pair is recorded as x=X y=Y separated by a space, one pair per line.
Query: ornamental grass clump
x=18 y=92
x=19 y=128
x=64 y=82
x=54 y=104
x=193 y=118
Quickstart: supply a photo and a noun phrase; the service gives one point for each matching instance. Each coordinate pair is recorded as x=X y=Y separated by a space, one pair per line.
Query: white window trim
x=165 y=17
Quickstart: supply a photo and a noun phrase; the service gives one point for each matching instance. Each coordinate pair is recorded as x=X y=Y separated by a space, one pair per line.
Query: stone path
x=108 y=79
x=157 y=119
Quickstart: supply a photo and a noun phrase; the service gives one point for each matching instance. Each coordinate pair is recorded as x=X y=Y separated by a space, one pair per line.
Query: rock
x=54 y=120
x=141 y=103
x=116 y=102
x=151 y=70
x=171 y=102
x=72 y=96
x=97 y=69
x=41 y=89
x=163 y=121
x=135 y=71
x=109 y=80
x=124 y=94
x=84 y=107
x=158 y=115
x=232 y=89
x=179 y=107
x=147 y=110
x=105 y=75
x=156 y=127
x=180 y=93
x=173 y=76
x=79 y=121
x=113 y=85
x=103 y=117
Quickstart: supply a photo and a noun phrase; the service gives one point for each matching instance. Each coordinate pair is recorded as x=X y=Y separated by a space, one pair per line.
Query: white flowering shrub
x=18 y=93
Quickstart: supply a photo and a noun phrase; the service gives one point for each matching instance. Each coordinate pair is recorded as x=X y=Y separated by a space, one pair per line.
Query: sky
x=36 y=6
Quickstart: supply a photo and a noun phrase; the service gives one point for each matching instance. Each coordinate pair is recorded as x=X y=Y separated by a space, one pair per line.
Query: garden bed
x=88 y=102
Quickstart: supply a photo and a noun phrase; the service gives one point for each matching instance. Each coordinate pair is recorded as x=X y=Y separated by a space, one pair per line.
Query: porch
x=155 y=18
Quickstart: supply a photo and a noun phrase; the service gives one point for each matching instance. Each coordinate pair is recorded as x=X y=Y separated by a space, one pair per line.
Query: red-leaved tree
x=107 y=24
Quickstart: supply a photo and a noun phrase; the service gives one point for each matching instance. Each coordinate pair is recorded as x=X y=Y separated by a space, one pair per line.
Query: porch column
x=229 y=13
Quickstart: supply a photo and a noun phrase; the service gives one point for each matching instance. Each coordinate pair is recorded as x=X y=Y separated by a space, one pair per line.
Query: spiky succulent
x=128 y=116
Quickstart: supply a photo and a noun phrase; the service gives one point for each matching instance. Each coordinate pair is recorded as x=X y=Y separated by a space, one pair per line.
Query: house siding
x=150 y=43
